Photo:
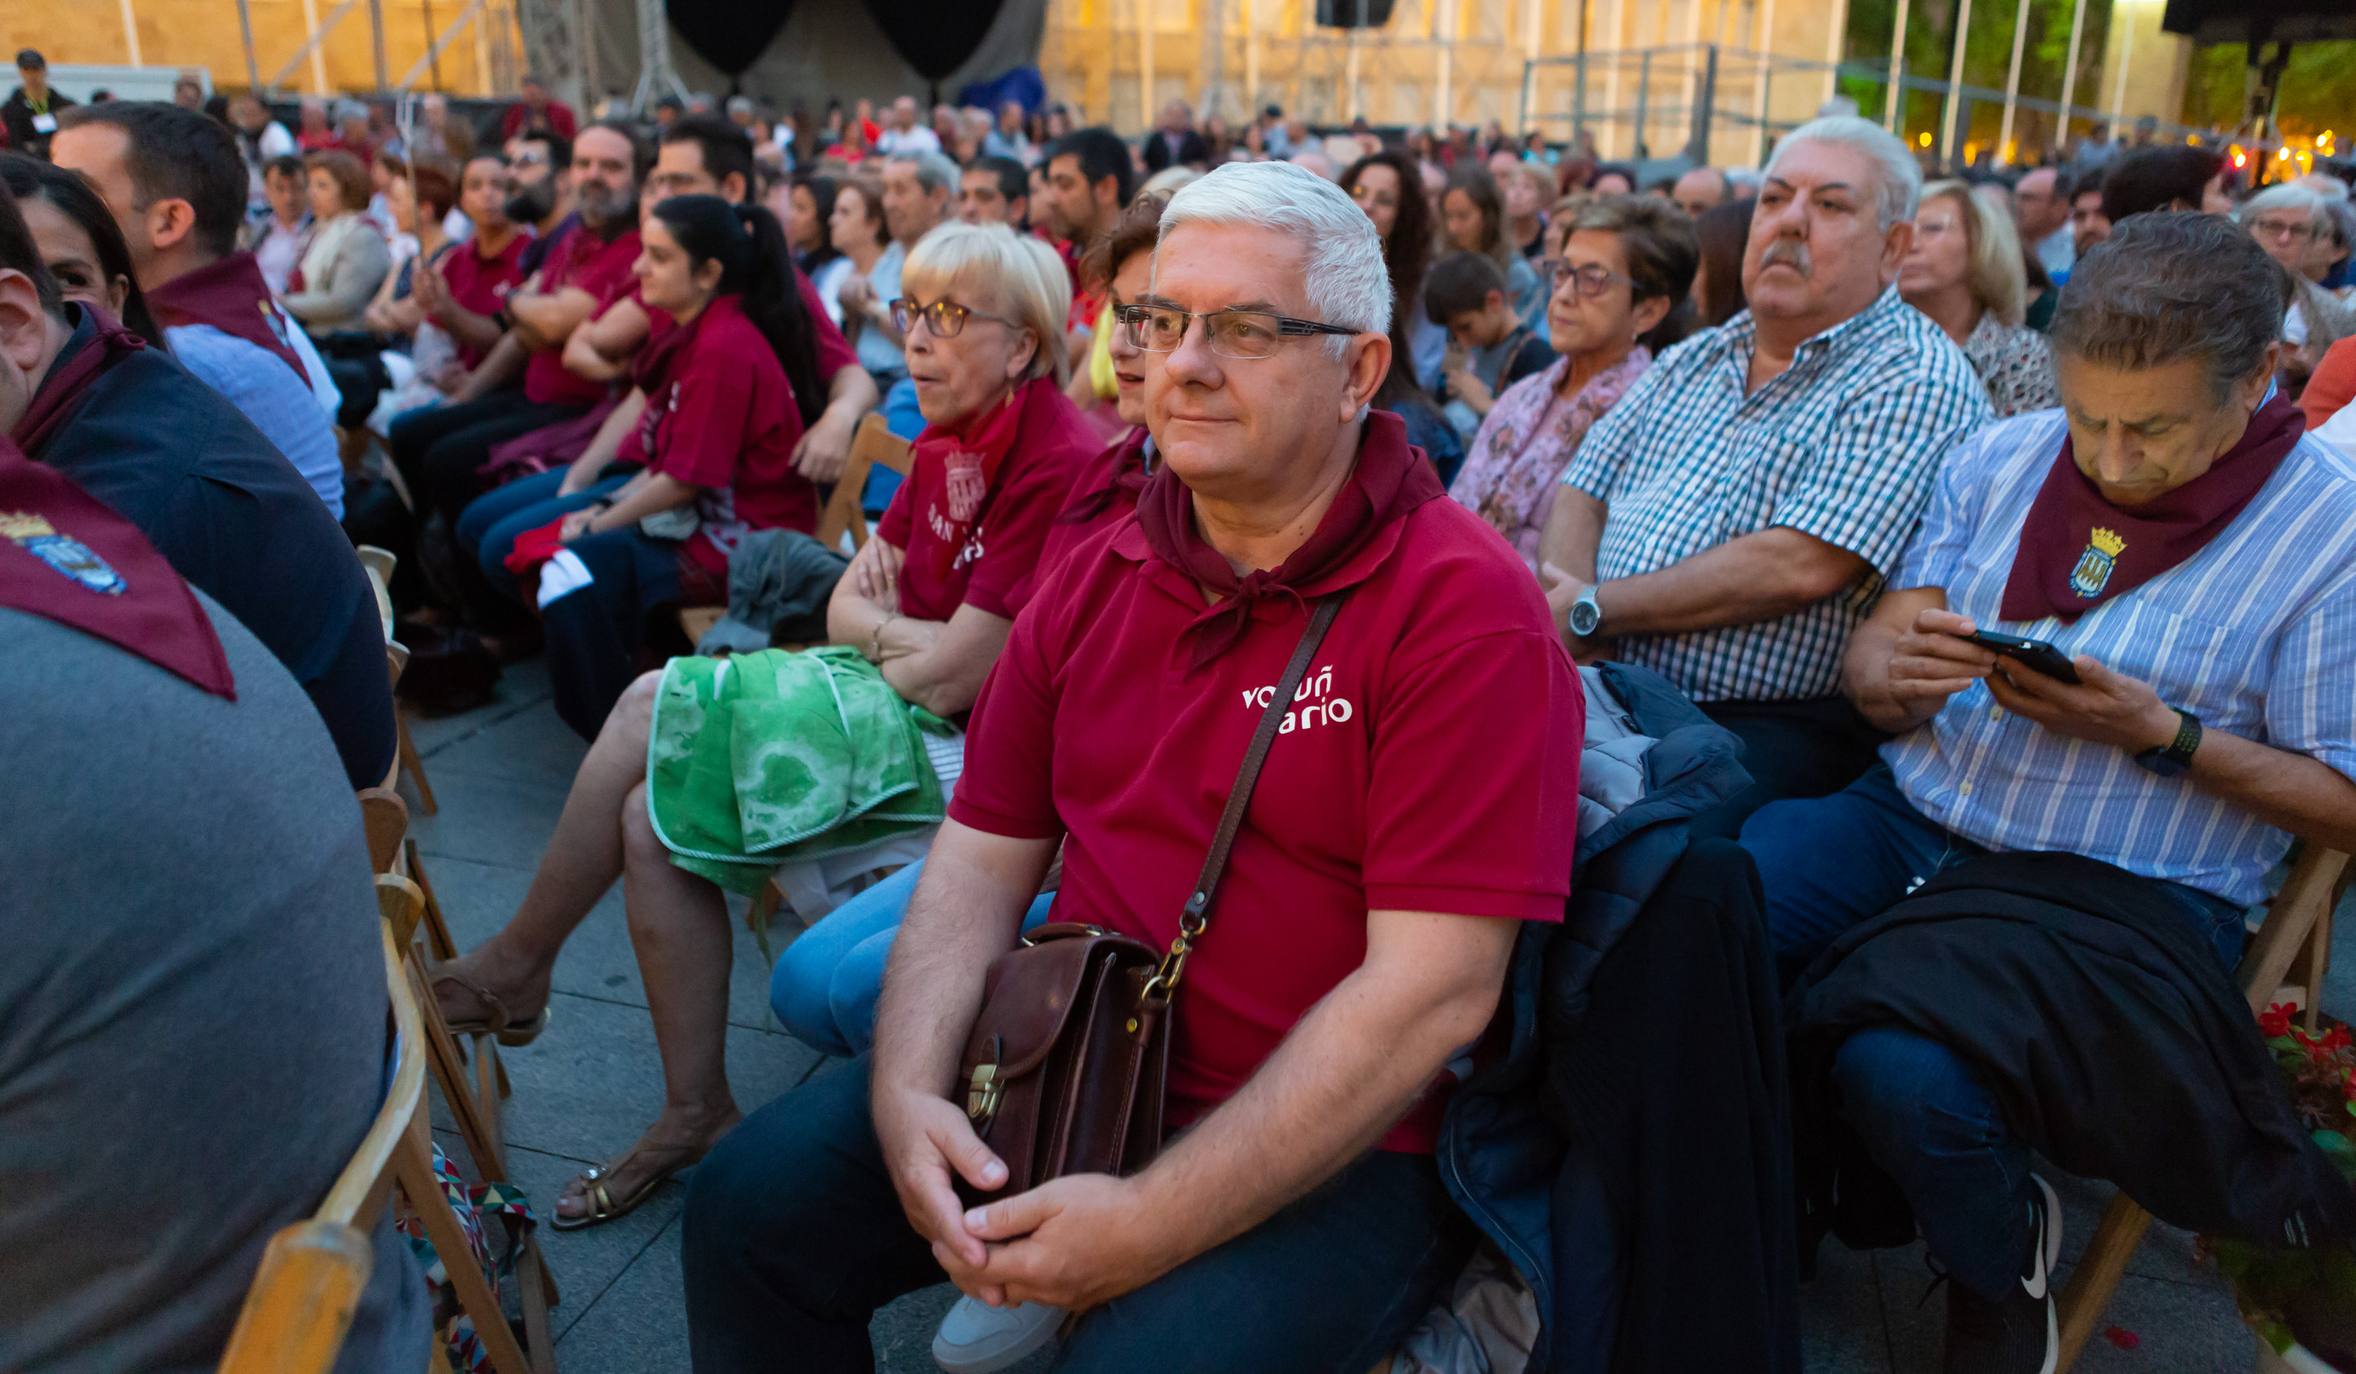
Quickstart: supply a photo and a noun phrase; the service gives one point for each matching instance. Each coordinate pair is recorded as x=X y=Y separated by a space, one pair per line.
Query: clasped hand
x=1932 y=661
x=1074 y=1242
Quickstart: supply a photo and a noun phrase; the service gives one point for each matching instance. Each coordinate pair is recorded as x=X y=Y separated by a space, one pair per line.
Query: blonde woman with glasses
x=1966 y=272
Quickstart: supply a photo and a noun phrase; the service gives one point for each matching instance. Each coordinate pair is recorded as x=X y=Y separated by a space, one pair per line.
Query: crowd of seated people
x=1783 y=440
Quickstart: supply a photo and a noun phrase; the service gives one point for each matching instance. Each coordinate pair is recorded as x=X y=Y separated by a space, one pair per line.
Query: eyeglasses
x=1243 y=334
x=2283 y=228
x=1594 y=279
x=528 y=160
x=945 y=318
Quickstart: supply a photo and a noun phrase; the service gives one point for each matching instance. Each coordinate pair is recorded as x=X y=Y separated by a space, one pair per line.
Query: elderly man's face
x=1227 y=426
x=2286 y=233
x=1700 y=190
x=904 y=112
x=605 y=180
x=2139 y=433
x=1817 y=254
x=2038 y=205
x=910 y=211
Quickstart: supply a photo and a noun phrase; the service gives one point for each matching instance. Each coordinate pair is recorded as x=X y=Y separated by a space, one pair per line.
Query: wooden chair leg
x=538 y=1293
x=765 y=905
x=490 y=1082
x=413 y=767
x=436 y=928
x=2314 y=964
x=2097 y=1275
x=413 y=1165
x=449 y=1071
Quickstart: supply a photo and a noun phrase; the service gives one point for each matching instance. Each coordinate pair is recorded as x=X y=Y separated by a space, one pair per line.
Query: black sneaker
x=2017 y=1335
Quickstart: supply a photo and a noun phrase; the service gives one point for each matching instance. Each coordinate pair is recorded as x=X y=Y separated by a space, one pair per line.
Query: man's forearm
x=964 y=914
x=477 y=332
x=1346 y=1073
x=496 y=370
x=850 y=395
x=1746 y=580
x=2304 y=796
x=1574 y=532
x=1866 y=680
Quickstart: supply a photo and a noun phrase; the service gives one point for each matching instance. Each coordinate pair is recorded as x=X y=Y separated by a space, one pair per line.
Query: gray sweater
x=192 y=1003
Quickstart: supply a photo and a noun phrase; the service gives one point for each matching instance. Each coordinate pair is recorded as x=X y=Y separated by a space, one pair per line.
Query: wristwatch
x=2173 y=758
x=1586 y=615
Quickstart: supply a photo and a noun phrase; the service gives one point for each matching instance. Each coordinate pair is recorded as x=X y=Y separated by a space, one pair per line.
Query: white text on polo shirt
x=1314 y=689
x=945 y=531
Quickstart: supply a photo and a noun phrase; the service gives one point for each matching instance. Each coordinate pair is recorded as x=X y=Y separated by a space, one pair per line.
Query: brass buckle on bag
x=1164 y=983
x=982 y=1094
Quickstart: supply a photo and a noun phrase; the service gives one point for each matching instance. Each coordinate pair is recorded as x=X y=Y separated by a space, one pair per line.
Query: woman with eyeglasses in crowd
x=929 y=600
x=1627 y=264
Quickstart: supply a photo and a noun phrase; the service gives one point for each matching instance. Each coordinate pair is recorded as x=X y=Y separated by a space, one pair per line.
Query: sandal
x=501 y=1024
x=602 y=1207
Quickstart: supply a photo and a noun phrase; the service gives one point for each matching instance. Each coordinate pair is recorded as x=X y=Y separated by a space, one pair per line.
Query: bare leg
x=584 y=858
x=679 y=926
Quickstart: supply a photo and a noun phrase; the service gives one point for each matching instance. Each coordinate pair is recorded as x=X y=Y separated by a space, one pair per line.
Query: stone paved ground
x=587 y=1087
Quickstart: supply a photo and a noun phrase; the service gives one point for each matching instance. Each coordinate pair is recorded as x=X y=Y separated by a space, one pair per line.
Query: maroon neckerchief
x=65 y=556
x=73 y=374
x=231 y=296
x=1390 y=479
x=2078 y=550
x=970 y=456
x=1123 y=483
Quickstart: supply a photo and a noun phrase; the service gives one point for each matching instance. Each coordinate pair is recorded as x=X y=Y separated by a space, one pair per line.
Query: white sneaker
x=976 y=1338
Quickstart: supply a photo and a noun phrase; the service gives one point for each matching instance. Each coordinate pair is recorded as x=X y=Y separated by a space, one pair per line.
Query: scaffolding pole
x=2061 y=128
x=1963 y=38
x=376 y=43
x=253 y=69
x=131 y=32
x=1835 y=36
x=2012 y=80
x=2119 y=85
x=1897 y=73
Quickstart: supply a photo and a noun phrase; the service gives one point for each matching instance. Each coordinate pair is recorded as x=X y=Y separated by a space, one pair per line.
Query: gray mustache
x=1786 y=251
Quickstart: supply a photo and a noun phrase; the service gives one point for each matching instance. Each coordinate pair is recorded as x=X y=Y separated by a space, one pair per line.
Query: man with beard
x=1730 y=522
x=540 y=192
x=441 y=451
x=1089 y=176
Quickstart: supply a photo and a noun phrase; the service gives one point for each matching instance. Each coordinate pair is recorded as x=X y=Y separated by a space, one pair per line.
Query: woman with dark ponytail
x=734 y=372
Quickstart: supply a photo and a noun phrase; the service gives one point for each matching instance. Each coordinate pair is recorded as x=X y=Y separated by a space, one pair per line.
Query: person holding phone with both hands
x=2173 y=533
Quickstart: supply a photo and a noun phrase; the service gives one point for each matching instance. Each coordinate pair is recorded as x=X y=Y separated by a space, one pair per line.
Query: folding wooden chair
x=299 y=1308
x=2298 y=923
x=406 y=761
x=473 y=1097
x=845 y=514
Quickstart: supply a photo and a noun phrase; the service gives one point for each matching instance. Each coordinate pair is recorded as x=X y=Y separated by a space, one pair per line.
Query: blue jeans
x=825 y=984
x=792 y=1237
x=488 y=527
x=1829 y=863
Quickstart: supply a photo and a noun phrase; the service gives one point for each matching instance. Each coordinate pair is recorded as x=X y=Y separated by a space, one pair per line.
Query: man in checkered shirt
x=1730 y=522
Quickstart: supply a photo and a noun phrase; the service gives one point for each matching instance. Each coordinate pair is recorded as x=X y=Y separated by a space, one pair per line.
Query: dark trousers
x=1790 y=749
x=1920 y=1110
x=439 y=449
x=793 y=1237
x=595 y=634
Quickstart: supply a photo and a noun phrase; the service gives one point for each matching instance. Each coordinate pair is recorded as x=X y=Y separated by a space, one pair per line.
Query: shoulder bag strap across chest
x=1197 y=914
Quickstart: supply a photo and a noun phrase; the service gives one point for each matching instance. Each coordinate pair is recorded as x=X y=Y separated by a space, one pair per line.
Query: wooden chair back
x=300 y=1306
x=846 y=513
x=2298 y=922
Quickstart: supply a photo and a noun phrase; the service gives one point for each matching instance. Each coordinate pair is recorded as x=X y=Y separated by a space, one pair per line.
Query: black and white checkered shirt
x=1843 y=446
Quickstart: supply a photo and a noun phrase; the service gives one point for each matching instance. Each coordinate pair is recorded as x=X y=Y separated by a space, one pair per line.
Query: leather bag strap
x=1206 y=886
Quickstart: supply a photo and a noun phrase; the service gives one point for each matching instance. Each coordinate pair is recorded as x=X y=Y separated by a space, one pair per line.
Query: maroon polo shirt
x=720 y=415
x=1431 y=763
x=993 y=571
x=481 y=283
x=602 y=269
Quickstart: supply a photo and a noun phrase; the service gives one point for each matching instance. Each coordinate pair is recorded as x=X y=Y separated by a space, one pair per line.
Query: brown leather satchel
x=1063 y=1071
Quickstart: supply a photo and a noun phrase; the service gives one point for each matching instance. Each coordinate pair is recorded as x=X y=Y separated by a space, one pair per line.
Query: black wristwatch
x=2173 y=758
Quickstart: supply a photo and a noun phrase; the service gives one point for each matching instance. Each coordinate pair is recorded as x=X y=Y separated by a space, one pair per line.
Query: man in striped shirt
x=1730 y=521
x=2172 y=532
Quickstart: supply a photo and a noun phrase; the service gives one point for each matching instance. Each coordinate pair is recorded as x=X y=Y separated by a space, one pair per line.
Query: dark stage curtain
x=935 y=37
x=730 y=34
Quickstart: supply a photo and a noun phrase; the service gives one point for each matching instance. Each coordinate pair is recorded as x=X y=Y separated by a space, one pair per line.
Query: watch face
x=1585 y=616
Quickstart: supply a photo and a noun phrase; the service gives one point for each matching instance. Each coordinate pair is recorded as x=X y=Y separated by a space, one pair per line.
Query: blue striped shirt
x=1842 y=446
x=2255 y=634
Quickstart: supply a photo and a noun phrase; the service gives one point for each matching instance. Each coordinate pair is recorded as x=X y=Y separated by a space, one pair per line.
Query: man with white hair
x=906 y=137
x=1729 y=522
x=1418 y=804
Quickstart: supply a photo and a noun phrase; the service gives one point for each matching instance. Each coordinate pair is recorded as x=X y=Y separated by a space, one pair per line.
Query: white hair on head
x=2286 y=195
x=1342 y=270
x=1899 y=179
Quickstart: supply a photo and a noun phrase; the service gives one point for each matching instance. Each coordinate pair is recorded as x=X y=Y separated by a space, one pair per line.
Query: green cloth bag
x=758 y=760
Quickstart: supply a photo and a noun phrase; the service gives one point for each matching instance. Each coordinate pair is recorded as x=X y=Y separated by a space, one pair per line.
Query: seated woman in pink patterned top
x=1625 y=266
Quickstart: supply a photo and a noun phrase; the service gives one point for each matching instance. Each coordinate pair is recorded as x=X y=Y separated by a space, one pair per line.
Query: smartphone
x=2034 y=654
